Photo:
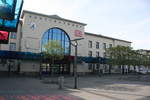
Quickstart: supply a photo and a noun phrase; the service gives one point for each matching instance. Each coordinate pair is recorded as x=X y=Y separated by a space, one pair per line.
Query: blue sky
x=123 y=19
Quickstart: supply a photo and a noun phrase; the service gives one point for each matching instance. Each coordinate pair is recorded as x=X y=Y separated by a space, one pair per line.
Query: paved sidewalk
x=32 y=89
x=113 y=88
x=89 y=88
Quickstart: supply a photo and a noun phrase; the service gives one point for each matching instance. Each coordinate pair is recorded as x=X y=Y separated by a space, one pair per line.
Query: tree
x=126 y=56
x=143 y=58
x=53 y=51
x=119 y=55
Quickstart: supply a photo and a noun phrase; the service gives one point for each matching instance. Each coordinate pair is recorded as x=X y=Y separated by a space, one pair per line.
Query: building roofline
x=106 y=37
x=51 y=16
x=145 y=50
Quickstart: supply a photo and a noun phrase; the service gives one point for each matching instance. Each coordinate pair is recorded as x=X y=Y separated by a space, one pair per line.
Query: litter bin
x=61 y=82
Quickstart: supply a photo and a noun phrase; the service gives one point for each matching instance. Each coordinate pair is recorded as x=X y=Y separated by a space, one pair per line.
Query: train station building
x=36 y=29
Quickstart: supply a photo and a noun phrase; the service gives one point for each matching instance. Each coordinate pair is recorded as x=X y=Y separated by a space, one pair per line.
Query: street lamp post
x=75 y=61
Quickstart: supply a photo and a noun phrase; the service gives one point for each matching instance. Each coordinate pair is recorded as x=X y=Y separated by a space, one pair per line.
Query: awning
x=19 y=55
x=95 y=60
x=39 y=56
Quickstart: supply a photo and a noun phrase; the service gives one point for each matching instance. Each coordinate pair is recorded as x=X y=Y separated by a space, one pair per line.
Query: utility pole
x=75 y=65
x=75 y=62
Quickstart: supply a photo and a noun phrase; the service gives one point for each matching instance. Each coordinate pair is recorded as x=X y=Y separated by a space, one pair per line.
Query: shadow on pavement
x=144 y=98
x=32 y=89
x=115 y=85
x=110 y=87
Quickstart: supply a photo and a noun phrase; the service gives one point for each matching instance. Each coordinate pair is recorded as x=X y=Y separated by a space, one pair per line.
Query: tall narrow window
x=13 y=35
x=110 y=45
x=89 y=66
x=104 y=54
x=97 y=45
x=90 y=44
x=12 y=47
x=104 y=46
x=90 y=53
x=97 y=53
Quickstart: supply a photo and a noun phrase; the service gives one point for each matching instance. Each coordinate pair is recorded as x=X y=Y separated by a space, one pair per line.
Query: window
x=57 y=34
x=104 y=54
x=97 y=66
x=110 y=45
x=97 y=53
x=13 y=35
x=35 y=17
x=12 y=47
x=90 y=44
x=104 y=46
x=90 y=53
x=89 y=66
x=97 y=45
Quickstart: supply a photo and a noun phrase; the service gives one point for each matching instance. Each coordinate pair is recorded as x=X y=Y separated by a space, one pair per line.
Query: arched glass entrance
x=59 y=35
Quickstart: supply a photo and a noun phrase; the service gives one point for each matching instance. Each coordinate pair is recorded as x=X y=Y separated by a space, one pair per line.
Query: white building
x=36 y=29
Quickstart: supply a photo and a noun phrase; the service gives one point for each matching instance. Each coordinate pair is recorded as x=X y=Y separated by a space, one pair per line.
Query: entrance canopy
x=95 y=60
x=30 y=56
x=39 y=56
x=19 y=55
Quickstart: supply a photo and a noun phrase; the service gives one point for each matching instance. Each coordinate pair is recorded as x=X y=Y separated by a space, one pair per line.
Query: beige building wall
x=95 y=39
x=30 y=66
x=102 y=39
x=29 y=38
x=16 y=41
x=122 y=43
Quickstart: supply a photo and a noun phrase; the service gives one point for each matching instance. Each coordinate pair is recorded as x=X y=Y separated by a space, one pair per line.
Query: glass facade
x=57 y=34
x=5 y=23
x=7 y=9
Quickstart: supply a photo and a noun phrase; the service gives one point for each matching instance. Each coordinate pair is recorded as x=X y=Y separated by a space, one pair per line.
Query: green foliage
x=53 y=50
x=121 y=55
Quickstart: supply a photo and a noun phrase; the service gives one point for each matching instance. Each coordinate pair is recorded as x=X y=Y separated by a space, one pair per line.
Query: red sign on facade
x=78 y=33
x=4 y=37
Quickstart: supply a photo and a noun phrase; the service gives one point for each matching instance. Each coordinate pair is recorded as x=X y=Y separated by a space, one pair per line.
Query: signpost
x=4 y=36
x=75 y=61
x=78 y=33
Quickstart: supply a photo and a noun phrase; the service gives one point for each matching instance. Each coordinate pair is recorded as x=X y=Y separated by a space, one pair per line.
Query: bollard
x=61 y=82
